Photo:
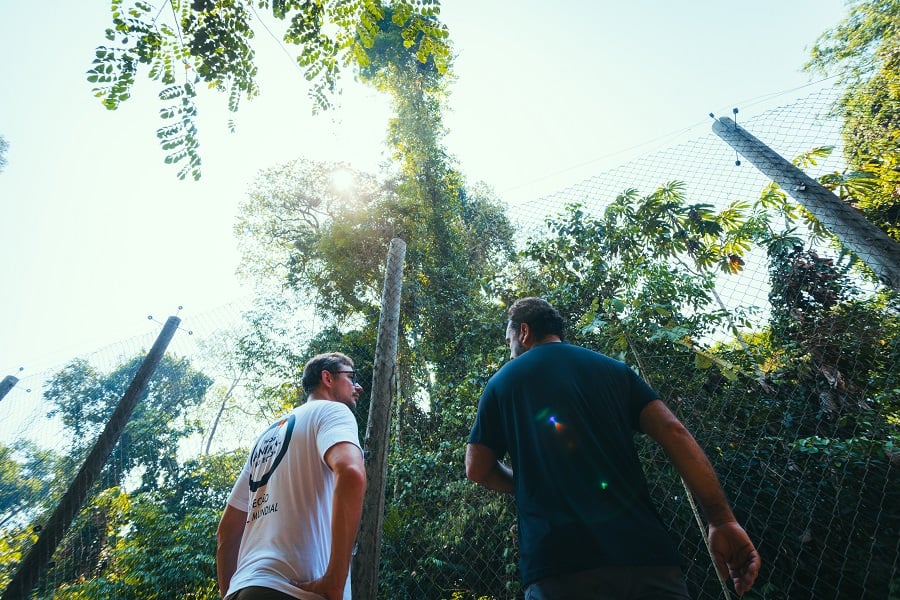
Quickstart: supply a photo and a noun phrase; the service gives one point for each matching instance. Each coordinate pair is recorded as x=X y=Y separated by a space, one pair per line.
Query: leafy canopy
x=210 y=42
x=864 y=51
x=85 y=398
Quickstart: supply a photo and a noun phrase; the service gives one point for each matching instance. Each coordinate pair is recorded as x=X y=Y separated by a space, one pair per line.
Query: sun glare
x=343 y=180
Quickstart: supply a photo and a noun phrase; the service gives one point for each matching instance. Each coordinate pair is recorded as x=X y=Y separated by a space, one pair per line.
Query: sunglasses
x=352 y=374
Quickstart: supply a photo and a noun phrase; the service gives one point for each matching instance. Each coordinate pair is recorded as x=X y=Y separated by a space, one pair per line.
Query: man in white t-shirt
x=291 y=521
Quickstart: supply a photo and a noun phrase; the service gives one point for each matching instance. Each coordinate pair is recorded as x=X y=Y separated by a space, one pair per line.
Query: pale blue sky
x=98 y=233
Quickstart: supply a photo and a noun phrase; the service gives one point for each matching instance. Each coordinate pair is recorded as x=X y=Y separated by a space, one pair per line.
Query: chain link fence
x=805 y=453
x=808 y=462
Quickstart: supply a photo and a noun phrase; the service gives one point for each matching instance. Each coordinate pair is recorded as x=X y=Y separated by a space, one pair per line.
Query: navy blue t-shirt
x=566 y=416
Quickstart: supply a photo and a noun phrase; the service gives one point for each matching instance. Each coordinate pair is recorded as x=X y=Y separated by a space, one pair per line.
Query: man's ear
x=525 y=334
x=327 y=378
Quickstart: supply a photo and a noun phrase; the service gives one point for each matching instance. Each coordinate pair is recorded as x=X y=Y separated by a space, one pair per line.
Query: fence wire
x=808 y=460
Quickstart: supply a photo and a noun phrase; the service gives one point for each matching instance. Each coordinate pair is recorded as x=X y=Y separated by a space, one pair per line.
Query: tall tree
x=332 y=248
x=458 y=235
x=27 y=475
x=458 y=241
x=864 y=50
x=84 y=398
x=184 y=44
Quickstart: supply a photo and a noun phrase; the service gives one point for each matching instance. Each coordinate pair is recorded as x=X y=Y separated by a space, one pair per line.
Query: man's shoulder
x=315 y=408
x=568 y=350
x=582 y=357
x=544 y=356
x=316 y=404
x=591 y=353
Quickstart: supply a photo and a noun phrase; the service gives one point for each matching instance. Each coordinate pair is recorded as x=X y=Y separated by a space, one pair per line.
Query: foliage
x=29 y=478
x=262 y=359
x=437 y=523
x=640 y=276
x=800 y=417
x=159 y=543
x=813 y=459
x=871 y=133
x=27 y=475
x=299 y=231
x=13 y=545
x=296 y=217
x=825 y=331
x=865 y=49
x=186 y=44
x=218 y=356
x=85 y=398
x=854 y=44
x=808 y=394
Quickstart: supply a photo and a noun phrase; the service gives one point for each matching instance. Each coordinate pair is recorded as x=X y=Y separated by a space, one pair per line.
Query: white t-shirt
x=286 y=488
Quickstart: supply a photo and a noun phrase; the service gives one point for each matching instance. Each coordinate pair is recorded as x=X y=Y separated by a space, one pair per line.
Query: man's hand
x=734 y=555
x=329 y=590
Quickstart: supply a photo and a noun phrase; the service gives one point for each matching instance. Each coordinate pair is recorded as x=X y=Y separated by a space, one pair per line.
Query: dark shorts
x=612 y=583
x=258 y=593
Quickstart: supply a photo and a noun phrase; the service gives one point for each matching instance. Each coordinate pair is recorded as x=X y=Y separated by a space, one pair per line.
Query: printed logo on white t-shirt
x=270 y=448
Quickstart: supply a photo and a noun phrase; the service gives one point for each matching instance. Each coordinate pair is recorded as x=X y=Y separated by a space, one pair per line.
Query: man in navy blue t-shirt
x=566 y=417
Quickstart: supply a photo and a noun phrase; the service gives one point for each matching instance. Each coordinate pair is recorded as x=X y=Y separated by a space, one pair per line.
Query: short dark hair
x=541 y=317
x=312 y=372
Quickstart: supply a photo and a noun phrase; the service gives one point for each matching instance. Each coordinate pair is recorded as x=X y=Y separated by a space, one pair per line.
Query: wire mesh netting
x=800 y=426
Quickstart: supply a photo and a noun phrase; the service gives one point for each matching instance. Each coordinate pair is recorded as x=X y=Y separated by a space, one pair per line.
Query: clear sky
x=97 y=232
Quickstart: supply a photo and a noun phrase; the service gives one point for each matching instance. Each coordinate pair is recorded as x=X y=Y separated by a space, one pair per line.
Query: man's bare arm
x=483 y=468
x=734 y=553
x=228 y=542
x=346 y=461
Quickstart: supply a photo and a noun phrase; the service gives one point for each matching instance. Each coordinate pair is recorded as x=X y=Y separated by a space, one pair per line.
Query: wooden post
x=7 y=384
x=35 y=562
x=365 y=564
x=873 y=246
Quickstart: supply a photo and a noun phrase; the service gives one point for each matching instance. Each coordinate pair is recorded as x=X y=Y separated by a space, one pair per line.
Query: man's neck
x=549 y=339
